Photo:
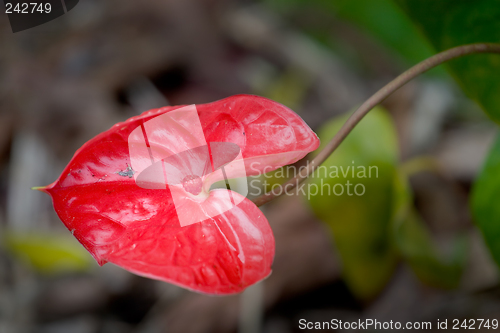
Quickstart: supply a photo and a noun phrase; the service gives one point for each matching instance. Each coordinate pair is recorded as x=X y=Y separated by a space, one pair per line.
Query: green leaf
x=360 y=224
x=449 y=23
x=416 y=246
x=386 y=22
x=485 y=201
x=381 y=19
x=48 y=253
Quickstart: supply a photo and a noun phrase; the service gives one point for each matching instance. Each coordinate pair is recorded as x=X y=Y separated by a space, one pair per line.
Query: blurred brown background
x=65 y=81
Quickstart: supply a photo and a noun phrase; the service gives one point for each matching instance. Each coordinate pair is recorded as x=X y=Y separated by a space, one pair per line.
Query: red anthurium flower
x=138 y=195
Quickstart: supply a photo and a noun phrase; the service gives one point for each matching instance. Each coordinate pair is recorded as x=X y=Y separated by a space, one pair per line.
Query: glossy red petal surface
x=270 y=134
x=138 y=229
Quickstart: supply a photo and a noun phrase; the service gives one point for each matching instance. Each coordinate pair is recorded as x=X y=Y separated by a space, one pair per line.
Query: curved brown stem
x=375 y=99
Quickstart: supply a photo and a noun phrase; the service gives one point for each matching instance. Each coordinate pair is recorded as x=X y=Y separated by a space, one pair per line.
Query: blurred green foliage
x=383 y=20
x=415 y=243
x=414 y=29
x=360 y=224
x=485 y=200
x=373 y=230
x=449 y=23
x=48 y=253
x=431 y=266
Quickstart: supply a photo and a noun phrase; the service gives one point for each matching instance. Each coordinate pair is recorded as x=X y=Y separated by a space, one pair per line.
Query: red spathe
x=138 y=229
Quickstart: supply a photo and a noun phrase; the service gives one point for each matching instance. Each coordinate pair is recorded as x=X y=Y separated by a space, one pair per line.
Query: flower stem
x=375 y=99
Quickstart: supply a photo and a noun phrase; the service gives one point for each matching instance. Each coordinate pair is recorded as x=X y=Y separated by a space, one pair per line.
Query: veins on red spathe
x=153 y=213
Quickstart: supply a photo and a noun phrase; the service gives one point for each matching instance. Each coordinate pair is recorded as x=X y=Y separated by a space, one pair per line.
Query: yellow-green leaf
x=359 y=214
x=48 y=253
